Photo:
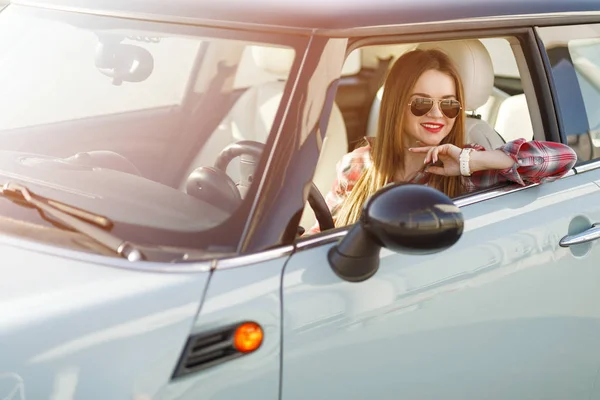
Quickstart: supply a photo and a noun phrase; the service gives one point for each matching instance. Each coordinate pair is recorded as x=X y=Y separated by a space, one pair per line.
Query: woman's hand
x=448 y=154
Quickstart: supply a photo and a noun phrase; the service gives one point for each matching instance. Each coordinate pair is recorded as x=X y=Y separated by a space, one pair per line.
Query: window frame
x=537 y=91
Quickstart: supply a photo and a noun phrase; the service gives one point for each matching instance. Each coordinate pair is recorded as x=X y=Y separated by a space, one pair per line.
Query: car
x=162 y=162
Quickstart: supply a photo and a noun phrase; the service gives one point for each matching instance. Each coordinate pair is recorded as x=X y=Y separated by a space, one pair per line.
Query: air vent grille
x=209 y=349
x=206 y=350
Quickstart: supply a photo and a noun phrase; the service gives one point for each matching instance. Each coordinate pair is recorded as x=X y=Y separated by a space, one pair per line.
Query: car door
x=504 y=313
x=573 y=62
x=507 y=312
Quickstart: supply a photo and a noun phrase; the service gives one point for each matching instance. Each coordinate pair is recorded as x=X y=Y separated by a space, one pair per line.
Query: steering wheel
x=103 y=159
x=213 y=185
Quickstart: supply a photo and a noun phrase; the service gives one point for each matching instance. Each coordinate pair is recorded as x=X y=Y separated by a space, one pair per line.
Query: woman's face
x=431 y=128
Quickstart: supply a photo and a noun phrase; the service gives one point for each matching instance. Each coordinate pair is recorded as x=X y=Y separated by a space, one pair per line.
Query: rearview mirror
x=123 y=62
x=405 y=218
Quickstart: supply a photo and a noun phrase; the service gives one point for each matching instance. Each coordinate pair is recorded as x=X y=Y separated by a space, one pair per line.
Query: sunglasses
x=422 y=105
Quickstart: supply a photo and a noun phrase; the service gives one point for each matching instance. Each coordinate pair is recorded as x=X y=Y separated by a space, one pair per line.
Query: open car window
x=500 y=106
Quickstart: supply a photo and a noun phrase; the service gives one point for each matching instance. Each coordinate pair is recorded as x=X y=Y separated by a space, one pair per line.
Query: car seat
x=253 y=115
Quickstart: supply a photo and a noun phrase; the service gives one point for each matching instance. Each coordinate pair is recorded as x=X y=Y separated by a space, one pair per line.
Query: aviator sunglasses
x=422 y=105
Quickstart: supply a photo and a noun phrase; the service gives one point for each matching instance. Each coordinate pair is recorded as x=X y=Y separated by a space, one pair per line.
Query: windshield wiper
x=92 y=225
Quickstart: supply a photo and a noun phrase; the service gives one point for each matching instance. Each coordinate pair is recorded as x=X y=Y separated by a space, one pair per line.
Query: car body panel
x=248 y=293
x=504 y=313
x=91 y=328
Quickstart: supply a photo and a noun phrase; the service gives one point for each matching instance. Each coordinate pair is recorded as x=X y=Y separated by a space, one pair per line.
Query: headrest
x=275 y=60
x=474 y=65
x=278 y=61
x=352 y=64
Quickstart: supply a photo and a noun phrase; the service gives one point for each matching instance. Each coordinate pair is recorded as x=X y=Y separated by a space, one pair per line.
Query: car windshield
x=138 y=121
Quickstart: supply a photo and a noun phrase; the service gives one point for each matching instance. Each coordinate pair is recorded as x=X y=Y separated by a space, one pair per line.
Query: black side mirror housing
x=405 y=218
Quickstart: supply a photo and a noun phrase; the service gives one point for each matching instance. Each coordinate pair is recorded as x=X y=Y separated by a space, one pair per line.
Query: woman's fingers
x=450 y=150
x=444 y=149
x=425 y=149
x=420 y=149
x=429 y=156
x=433 y=152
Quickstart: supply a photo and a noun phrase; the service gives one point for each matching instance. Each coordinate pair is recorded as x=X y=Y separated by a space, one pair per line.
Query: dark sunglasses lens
x=450 y=108
x=421 y=106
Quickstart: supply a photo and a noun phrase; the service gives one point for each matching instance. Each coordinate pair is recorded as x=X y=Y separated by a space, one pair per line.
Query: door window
x=492 y=119
x=574 y=56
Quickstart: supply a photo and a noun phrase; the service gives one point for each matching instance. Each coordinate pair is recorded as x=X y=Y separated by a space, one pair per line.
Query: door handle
x=586 y=236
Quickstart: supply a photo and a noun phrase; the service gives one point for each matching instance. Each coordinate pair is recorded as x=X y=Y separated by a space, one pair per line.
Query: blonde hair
x=387 y=149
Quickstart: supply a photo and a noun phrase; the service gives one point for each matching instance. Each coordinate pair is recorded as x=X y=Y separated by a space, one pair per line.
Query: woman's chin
x=431 y=141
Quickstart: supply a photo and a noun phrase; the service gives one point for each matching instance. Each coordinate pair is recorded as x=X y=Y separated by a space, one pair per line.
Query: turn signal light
x=248 y=337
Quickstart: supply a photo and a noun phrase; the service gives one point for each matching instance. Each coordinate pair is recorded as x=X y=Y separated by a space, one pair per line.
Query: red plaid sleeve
x=349 y=170
x=535 y=162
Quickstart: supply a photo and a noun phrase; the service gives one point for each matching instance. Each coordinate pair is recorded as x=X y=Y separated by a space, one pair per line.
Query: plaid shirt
x=535 y=162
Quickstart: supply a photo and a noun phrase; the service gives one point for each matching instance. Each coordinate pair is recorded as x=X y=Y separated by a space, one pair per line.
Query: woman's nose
x=435 y=111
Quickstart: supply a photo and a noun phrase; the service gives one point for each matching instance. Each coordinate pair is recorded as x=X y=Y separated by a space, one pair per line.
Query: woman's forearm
x=495 y=159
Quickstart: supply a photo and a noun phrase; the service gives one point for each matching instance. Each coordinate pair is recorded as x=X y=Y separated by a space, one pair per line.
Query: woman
x=421 y=139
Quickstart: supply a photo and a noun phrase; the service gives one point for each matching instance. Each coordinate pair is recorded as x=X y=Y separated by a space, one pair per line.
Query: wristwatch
x=464 y=159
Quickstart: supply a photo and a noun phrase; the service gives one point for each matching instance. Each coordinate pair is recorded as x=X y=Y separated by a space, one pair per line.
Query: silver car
x=161 y=162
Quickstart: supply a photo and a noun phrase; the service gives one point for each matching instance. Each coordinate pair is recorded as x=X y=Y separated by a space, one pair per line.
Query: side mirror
x=405 y=218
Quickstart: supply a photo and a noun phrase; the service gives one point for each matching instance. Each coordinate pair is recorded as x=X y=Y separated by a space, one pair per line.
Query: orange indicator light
x=248 y=337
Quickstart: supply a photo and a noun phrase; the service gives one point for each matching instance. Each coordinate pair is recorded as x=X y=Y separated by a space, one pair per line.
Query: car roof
x=320 y=14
